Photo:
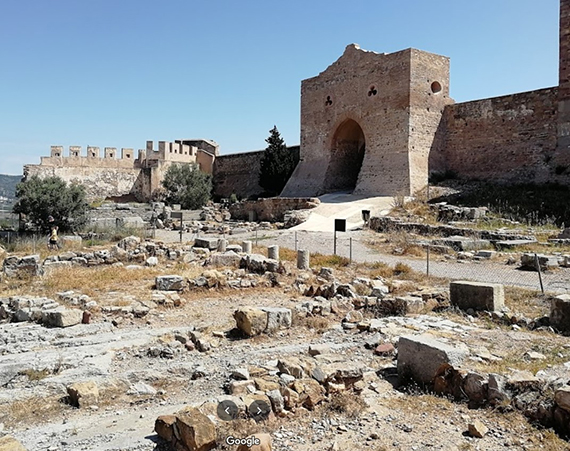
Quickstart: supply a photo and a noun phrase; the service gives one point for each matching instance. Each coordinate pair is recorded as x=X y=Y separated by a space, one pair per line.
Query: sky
x=116 y=73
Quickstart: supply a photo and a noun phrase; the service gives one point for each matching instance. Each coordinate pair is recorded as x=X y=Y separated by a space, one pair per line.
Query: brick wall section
x=509 y=138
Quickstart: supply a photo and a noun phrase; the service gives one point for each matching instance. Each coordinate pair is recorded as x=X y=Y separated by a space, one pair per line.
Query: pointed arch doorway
x=347 y=153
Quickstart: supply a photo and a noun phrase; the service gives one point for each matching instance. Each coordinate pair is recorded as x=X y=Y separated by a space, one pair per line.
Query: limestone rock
x=29 y=265
x=478 y=429
x=477 y=295
x=129 y=243
x=250 y=320
x=560 y=312
x=9 y=443
x=83 y=394
x=228 y=258
x=163 y=426
x=264 y=443
x=170 y=283
x=195 y=430
x=310 y=392
x=277 y=318
x=62 y=317
x=419 y=357
x=562 y=398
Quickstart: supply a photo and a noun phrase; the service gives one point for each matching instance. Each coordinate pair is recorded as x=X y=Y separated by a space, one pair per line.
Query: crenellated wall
x=110 y=174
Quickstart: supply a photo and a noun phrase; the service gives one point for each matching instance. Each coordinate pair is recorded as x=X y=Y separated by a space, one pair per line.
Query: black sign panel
x=340 y=225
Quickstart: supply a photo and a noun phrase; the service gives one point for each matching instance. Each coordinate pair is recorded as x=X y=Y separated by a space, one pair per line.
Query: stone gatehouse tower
x=368 y=123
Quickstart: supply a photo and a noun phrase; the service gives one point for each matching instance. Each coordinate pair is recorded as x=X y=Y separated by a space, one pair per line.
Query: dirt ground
x=120 y=352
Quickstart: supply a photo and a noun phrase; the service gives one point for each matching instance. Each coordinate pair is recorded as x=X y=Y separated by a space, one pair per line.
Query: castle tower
x=563 y=147
x=368 y=123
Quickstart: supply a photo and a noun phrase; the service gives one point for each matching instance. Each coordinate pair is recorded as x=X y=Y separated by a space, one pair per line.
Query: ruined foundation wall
x=507 y=139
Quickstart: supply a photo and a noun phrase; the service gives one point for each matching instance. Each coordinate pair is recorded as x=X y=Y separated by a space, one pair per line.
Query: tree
x=39 y=198
x=187 y=185
x=277 y=164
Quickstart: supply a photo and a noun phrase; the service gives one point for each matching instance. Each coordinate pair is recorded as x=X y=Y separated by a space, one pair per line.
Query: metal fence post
x=427 y=261
x=537 y=263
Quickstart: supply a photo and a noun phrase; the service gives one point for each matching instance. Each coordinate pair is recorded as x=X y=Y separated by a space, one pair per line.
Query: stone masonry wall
x=100 y=183
x=509 y=138
x=562 y=157
x=395 y=100
x=237 y=174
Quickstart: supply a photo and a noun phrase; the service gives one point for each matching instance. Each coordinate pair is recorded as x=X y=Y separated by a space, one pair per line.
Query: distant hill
x=8 y=187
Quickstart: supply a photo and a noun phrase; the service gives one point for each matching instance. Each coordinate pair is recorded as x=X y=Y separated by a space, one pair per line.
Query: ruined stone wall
x=100 y=182
x=238 y=174
x=510 y=138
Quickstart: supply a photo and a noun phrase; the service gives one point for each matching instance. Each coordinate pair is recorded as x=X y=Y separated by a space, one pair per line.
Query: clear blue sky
x=115 y=73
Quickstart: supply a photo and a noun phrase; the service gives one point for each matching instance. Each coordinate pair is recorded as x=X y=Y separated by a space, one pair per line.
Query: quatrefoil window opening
x=328 y=101
x=372 y=91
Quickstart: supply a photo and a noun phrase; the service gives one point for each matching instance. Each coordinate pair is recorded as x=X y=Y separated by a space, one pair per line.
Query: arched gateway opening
x=347 y=153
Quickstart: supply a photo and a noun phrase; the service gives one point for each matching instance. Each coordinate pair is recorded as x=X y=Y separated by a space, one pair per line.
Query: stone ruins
x=111 y=176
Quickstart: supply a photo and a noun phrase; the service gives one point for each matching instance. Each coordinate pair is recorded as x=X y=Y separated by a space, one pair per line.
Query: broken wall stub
x=368 y=123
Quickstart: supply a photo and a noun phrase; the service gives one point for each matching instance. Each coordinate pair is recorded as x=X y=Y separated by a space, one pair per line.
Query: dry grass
x=346 y=403
x=529 y=303
x=32 y=411
x=90 y=281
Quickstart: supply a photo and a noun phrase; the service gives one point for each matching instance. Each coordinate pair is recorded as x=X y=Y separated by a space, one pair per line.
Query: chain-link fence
x=504 y=268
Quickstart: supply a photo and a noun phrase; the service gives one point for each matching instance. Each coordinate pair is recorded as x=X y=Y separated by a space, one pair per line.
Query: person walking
x=53 y=238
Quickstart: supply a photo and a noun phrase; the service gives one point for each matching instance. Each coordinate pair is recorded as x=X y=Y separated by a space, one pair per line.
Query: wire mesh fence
x=504 y=268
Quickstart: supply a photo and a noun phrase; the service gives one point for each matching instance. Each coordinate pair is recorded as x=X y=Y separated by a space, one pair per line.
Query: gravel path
x=323 y=242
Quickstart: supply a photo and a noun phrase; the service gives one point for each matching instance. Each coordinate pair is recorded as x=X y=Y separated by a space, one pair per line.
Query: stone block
x=206 y=243
x=477 y=295
x=234 y=248
x=277 y=318
x=560 y=312
x=29 y=265
x=250 y=320
x=420 y=356
x=512 y=244
x=229 y=258
x=62 y=317
x=247 y=246
x=562 y=398
x=546 y=262
x=195 y=430
x=303 y=260
x=259 y=264
x=83 y=394
x=170 y=283
x=163 y=426
x=71 y=240
x=273 y=252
